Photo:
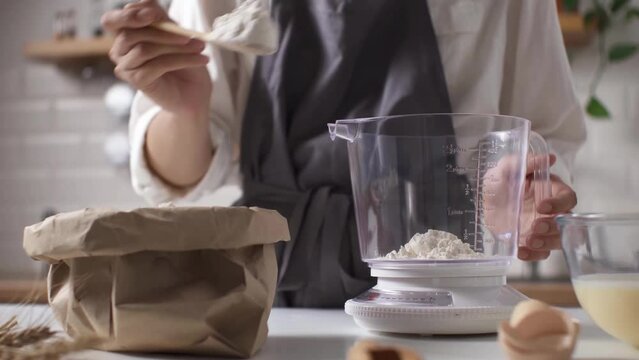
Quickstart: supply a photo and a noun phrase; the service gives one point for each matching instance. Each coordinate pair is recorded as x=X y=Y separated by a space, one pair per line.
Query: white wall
x=606 y=173
x=607 y=168
x=52 y=129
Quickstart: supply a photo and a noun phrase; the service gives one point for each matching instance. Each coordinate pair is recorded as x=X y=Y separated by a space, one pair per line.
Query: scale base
x=431 y=313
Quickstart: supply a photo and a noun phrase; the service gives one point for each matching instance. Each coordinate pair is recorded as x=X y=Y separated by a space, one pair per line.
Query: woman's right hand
x=170 y=69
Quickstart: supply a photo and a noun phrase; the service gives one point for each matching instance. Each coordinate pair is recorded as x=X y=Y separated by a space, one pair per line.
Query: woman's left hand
x=543 y=234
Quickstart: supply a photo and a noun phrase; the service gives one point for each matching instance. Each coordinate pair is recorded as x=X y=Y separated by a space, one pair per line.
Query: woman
x=207 y=117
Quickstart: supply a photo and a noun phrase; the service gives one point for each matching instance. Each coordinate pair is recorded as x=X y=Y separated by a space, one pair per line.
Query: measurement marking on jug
x=452 y=149
x=480 y=173
x=452 y=211
x=483 y=224
x=491 y=146
x=481 y=157
x=458 y=169
x=491 y=179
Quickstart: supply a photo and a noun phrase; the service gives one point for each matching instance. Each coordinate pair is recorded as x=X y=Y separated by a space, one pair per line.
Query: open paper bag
x=187 y=280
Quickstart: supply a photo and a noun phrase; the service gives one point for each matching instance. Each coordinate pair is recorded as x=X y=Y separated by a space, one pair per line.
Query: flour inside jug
x=434 y=245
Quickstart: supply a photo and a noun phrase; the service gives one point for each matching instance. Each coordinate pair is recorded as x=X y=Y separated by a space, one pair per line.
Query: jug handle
x=541 y=173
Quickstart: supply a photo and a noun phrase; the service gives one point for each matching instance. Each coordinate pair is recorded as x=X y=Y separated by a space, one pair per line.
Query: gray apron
x=337 y=59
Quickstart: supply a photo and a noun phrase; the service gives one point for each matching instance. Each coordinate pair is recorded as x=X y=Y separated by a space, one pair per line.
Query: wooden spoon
x=247 y=29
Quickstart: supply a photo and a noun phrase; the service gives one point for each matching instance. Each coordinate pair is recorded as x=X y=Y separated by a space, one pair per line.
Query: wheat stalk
x=8 y=326
x=35 y=343
x=26 y=337
x=48 y=350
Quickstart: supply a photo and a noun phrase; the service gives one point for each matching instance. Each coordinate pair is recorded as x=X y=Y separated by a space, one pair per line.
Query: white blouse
x=499 y=57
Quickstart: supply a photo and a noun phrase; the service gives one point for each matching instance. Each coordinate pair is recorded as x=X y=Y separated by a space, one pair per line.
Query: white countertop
x=327 y=334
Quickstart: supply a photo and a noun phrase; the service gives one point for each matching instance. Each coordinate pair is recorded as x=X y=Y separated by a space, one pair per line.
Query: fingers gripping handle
x=541 y=167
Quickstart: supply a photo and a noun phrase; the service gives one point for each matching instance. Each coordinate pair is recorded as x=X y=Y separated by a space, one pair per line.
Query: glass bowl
x=602 y=251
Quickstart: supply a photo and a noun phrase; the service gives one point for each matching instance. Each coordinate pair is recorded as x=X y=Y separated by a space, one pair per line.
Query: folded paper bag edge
x=106 y=232
x=36 y=243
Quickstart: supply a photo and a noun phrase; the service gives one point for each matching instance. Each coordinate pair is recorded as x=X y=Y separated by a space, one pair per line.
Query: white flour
x=248 y=28
x=434 y=245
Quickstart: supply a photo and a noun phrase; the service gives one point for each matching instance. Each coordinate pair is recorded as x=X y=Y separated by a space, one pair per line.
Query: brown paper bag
x=187 y=280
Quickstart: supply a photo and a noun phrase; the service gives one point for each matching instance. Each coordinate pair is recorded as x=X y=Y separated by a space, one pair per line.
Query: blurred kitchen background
x=63 y=118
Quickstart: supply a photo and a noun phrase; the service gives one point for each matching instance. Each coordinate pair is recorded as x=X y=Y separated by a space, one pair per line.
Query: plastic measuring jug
x=460 y=173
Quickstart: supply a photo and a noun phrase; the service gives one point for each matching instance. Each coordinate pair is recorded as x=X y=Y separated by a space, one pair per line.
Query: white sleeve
x=538 y=86
x=223 y=169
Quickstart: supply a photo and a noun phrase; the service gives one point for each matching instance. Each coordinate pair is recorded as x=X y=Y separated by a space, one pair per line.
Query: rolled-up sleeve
x=538 y=86
x=155 y=190
x=223 y=169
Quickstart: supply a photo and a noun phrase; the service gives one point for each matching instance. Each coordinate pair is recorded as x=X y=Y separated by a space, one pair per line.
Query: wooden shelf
x=69 y=49
x=20 y=291
x=574 y=29
x=553 y=293
x=73 y=50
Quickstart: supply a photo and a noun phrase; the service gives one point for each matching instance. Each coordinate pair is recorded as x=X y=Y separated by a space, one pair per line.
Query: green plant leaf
x=596 y=109
x=618 y=5
x=622 y=51
x=590 y=17
x=599 y=16
x=632 y=13
x=570 y=5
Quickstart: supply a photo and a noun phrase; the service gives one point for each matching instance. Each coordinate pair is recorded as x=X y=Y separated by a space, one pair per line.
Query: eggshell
x=534 y=318
x=538 y=331
x=554 y=347
x=368 y=350
x=514 y=339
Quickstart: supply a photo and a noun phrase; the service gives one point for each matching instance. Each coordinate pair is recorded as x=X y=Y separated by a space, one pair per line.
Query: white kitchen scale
x=450 y=297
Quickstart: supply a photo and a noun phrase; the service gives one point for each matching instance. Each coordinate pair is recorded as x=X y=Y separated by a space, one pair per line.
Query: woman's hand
x=171 y=71
x=538 y=233
x=168 y=68
x=542 y=235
